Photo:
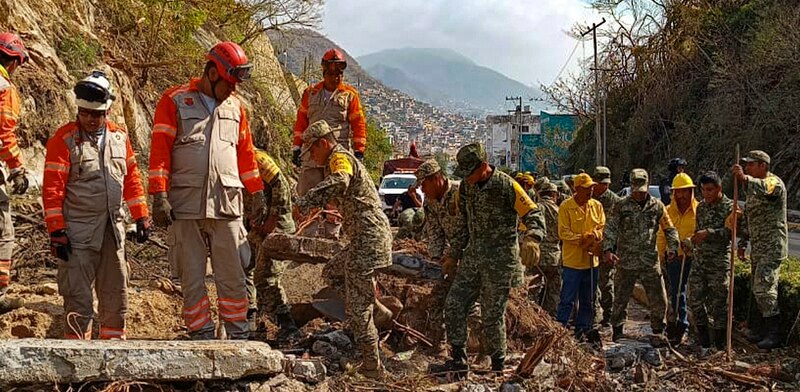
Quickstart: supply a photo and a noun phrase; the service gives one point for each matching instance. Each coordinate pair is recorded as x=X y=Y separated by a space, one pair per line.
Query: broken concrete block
x=71 y=361
x=316 y=250
x=339 y=339
x=308 y=370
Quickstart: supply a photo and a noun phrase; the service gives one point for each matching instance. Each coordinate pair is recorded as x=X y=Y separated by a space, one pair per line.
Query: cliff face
x=67 y=39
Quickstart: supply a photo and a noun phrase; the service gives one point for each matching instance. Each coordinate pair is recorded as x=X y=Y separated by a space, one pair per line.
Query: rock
x=257 y=387
x=73 y=361
x=308 y=370
x=324 y=349
x=474 y=388
x=652 y=357
x=616 y=363
x=47 y=289
x=741 y=367
x=509 y=387
x=339 y=339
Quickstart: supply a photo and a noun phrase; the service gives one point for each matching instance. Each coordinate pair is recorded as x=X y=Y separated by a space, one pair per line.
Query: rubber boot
x=616 y=333
x=457 y=366
x=498 y=363
x=288 y=329
x=703 y=339
x=756 y=334
x=720 y=338
x=772 y=339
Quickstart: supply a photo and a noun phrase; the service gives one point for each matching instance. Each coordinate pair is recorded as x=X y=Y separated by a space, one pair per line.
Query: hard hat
x=231 y=62
x=334 y=58
x=12 y=46
x=94 y=92
x=682 y=181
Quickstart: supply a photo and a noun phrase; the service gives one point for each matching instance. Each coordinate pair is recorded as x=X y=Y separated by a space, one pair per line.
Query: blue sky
x=523 y=39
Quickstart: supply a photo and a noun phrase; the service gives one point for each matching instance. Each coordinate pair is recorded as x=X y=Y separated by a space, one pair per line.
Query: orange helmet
x=231 y=62
x=333 y=58
x=12 y=46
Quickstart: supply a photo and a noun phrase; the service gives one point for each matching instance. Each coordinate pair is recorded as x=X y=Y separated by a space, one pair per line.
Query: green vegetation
x=79 y=53
x=378 y=150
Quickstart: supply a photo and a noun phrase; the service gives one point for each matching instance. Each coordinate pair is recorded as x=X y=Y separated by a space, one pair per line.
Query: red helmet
x=333 y=58
x=12 y=46
x=231 y=62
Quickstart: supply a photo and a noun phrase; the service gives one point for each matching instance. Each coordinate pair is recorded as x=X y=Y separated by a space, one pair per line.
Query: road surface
x=794 y=244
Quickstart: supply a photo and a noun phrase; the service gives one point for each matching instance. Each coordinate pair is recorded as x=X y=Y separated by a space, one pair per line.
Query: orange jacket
x=354 y=116
x=167 y=127
x=60 y=166
x=9 y=115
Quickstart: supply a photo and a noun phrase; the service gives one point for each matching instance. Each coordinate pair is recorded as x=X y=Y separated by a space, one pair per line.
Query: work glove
x=19 y=179
x=530 y=252
x=359 y=155
x=296 y=157
x=258 y=209
x=162 y=211
x=143 y=230
x=449 y=266
x=59 y=244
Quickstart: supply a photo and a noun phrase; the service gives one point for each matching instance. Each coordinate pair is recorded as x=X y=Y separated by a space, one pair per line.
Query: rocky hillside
x=145 y=46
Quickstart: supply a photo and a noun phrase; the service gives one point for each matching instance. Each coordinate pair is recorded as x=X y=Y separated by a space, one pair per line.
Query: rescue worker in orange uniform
x=90 y=169
x=201 y=157
x=340 y=106
x=12 y=56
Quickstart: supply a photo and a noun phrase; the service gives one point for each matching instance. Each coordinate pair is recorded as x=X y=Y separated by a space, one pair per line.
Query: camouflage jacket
x=550 y=249
x=711 y=217
x=277 y=198
x=608 y=199
x=441 y=220
x=348 y=185
x=487 y=232
x=633 y=231
x=764 y=224
x=533 y=195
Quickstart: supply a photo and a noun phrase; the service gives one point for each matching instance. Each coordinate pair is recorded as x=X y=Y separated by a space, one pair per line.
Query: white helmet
x=94 y=92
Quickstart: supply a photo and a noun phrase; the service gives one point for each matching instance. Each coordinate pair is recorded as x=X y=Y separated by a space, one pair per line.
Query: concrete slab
x=30 y=361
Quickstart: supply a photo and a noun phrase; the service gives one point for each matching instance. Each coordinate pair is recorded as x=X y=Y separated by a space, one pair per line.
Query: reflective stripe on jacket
x=202 y=159
x=10 y=109
x=342 y=109
x=84 y=185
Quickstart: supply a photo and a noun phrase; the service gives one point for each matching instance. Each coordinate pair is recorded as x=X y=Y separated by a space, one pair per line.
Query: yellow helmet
x=682 y=181
x=266 y=166
x=529 y=179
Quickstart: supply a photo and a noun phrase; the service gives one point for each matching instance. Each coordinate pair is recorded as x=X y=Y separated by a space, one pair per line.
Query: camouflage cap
x=426 y=169
x=313 y=133
x=602 y=174
x=756 y=156
x=547 y=186
x=640 y=181
x=468 y=158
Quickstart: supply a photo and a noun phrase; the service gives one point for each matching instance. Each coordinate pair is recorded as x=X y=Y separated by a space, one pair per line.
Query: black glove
x=142 y=230
x=59 y=244
x=162 y=212
x=19 y=179
x=359 y=155
x=296 y=157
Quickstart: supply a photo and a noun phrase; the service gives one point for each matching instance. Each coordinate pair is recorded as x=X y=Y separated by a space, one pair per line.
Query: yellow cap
x=682 y=181
x=582 y=180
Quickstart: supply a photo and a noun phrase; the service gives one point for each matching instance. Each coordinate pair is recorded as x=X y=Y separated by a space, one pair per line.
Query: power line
x=566 y=63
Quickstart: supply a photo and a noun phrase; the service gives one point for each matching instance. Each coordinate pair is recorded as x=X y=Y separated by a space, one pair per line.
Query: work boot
x=675 y=334
x=498 y=363
x=288 y=329
x=720 y=338
x=616 y=333
x=772 y=338
x=382 y=316
x=457 y=366
x=8 y=304
x=371 y=366
x=703 y=339
x=252 y=320
x=202 y=335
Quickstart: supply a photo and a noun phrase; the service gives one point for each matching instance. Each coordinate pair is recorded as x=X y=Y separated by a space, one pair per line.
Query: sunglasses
x=339 y=66
x=242 y=72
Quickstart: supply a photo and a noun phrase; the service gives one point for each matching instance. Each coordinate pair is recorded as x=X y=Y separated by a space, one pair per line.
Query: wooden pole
x=734 y=220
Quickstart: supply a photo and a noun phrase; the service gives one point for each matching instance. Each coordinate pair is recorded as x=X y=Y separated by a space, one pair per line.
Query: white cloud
x=522 y=39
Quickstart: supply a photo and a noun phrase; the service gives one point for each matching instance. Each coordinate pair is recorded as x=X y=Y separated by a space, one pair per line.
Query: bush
x=78 y=53
x=788 y=295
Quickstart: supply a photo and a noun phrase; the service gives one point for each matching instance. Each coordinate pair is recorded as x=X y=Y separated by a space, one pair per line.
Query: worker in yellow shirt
x=580 y=227
x=682 y=211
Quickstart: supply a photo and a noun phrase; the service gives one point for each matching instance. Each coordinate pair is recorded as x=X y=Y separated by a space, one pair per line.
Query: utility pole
x=597 y=132
x=519 y=113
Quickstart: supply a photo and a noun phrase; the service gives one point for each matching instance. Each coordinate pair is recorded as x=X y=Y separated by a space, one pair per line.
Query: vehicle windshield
x=397 y=182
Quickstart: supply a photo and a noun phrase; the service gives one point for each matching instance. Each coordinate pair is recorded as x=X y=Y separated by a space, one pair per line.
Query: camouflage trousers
x=436 y=315
x=265 y=292
x=551 y=291
x=708 y=291
x=765 y=284
x=604 y=297
x=356 y=285
x=491 y=289
x=653 y=283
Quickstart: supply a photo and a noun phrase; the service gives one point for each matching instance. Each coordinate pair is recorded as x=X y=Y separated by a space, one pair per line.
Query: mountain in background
x=445 y=78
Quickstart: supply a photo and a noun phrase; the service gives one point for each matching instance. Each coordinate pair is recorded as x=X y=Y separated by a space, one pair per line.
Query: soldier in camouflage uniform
x=411 y=223
x=709 y=277
x=490 y=203
x=550 y=261
x=764 y=226
x=632 y=231
x=264 y=290
x=605 y=286
x=348 y=184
